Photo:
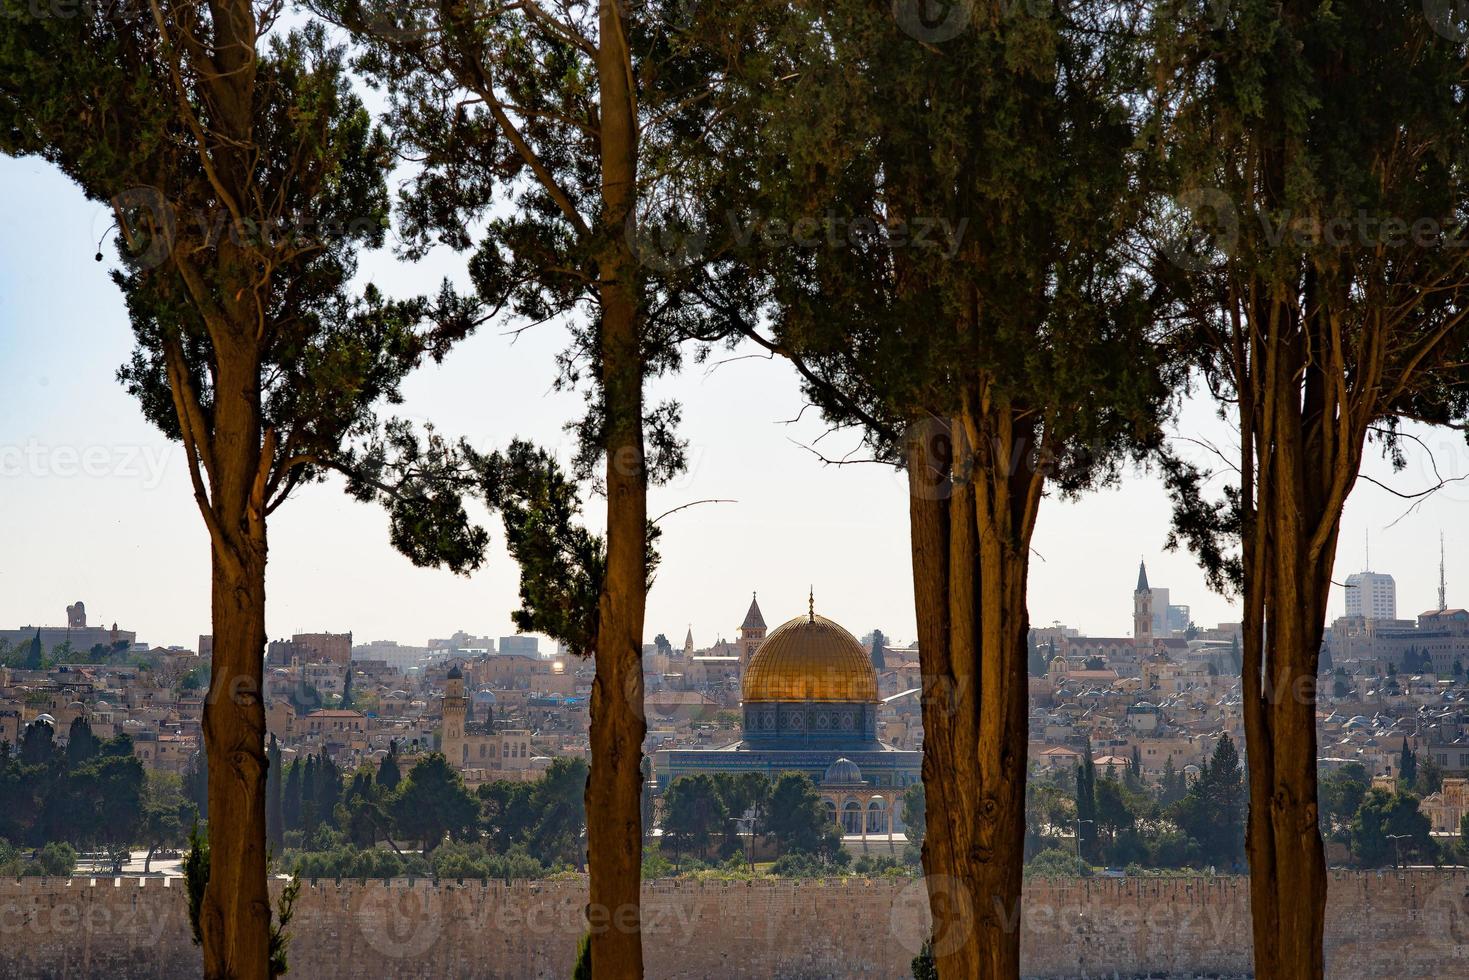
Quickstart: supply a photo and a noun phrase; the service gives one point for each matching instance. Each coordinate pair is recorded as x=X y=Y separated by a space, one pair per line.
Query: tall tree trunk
x=1290 y=545
x=973 y=502
x=235 y=917
x=614 y=782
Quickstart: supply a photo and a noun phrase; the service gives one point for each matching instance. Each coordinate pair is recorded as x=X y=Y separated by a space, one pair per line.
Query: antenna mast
x=1442 y=582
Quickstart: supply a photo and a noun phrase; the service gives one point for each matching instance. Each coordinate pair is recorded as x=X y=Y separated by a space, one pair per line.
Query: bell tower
x=1142 y=613
x=752 y=632
x=455 y=707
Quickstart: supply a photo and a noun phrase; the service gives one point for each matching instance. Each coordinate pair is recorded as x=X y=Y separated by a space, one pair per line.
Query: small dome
x=484 y=696
x=455 y=674
x=843 y=772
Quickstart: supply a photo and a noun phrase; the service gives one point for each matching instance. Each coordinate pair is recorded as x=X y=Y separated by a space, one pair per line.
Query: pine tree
x=1299 y=136
x=1407 y=767
x=1019 y=331
x=543 y=146
x=243 y=174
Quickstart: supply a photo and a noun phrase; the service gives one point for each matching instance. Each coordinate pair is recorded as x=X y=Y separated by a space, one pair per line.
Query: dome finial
x=811 y=604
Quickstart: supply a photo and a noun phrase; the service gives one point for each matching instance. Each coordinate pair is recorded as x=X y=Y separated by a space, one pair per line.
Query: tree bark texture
x=974 y=497
x=614 y=783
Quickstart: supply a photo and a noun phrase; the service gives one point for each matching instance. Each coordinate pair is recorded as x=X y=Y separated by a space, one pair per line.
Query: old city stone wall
x=1403 y=925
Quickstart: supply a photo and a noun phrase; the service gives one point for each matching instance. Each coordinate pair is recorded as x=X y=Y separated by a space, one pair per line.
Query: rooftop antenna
x=1367 y=546
x=1443 y=602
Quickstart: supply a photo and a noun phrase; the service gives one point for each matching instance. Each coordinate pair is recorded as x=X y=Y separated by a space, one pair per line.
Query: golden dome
x=810 y=658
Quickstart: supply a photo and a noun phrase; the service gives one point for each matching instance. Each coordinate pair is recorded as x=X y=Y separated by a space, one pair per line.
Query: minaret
x=1142 y=613
x=455 y=706
x=752 y=632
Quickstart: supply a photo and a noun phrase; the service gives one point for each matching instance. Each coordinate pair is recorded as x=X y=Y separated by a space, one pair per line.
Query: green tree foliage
x=1056 y=862
x=196 y=879
x=1035 y=661
x=915 y=815
x=37 y=743
x=1315 y=237
x=388 y=774
x=1342 y=792
x=1086 y=804
x=1212 y=812
x=244 y=175
x=94 y=803
x=583 y=968
x=1383 y=814
x=557 y=800
x=1407 y=767
x=508 y=815
x=167 y=815
x=81 y=744
x=740 y=793
x=432 y=803
x=1429 y=778
x=274 y=797
x=797 y=821
x=693 y=813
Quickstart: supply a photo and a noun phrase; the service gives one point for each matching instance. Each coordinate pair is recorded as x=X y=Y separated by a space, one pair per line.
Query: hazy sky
x=95 y=505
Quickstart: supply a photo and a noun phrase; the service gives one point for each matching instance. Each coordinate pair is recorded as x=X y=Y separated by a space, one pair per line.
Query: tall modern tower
x=1372 y=595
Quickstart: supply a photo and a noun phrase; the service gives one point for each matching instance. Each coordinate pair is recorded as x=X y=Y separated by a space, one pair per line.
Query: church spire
x=1142 y=576
x=753 y=619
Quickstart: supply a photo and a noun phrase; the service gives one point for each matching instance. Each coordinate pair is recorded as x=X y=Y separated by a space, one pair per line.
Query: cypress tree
x=388 y=774
x=1407 y=767
x=291 y=797
x=274 y=807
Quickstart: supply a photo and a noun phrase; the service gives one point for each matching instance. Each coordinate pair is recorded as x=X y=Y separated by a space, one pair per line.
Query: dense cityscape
x=623 y=490
x=382 y=750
